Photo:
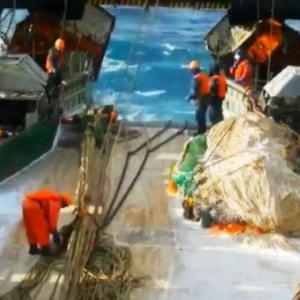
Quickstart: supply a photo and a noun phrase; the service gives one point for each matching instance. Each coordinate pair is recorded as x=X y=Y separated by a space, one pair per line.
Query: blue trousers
x=214 y=112
x=208 y=112
x=201 y=111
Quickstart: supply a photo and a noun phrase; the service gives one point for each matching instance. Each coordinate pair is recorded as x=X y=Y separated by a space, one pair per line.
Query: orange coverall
x=243 y=73
x=40 y=215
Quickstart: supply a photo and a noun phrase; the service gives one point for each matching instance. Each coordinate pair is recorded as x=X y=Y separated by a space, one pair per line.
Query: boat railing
x=239 y=100
x=74 y=95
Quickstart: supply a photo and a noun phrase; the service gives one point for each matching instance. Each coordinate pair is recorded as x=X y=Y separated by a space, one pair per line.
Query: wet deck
x=184 y=261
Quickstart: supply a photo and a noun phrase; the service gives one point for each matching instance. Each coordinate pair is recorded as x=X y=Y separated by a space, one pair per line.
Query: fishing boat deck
x=183 y=260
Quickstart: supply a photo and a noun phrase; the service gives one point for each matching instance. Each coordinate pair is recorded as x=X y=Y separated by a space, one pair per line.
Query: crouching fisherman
x=40 y=215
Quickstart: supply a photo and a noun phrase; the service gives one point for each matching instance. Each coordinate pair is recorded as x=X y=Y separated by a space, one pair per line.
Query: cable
x=271 y=33
x=112 y=214
x=64 y=18
x=125 y=167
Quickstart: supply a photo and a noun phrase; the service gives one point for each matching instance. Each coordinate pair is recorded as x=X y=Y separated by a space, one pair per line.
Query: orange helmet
x=194 y=65
x=66 y=198
x=60 y=44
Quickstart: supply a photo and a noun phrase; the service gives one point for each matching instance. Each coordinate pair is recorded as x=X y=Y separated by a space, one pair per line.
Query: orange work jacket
x=221 y=83
x=243 y=73
x=204 y=88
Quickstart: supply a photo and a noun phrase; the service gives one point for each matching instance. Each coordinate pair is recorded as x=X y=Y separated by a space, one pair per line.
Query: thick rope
x=112 y=212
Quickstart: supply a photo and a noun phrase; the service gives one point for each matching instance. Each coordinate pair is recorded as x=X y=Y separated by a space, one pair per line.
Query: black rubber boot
x=50 y=250
x=34 y=250
x=207 y=219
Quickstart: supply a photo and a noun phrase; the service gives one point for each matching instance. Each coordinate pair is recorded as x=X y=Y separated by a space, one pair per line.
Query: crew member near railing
x=55 y=62
x=200 y=94
x=40 y=215
x=218 y=89
x=55 y=66
x=242 y=70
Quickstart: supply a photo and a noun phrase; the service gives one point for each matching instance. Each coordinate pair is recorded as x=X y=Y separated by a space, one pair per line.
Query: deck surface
x=183 y=260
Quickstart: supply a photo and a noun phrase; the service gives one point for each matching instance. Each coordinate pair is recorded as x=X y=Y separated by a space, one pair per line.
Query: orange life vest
x=222 y=85
x=204 y=83
x=244 y=73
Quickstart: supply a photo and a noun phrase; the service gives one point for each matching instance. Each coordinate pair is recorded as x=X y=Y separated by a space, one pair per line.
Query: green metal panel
x=20 y=150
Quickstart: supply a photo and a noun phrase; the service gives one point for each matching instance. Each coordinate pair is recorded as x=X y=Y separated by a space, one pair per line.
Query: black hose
x=125 y=167
x=157 y=134
x=111 y=215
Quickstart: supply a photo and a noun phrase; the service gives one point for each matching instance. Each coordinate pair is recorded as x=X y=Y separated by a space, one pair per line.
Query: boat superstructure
x=28 y=111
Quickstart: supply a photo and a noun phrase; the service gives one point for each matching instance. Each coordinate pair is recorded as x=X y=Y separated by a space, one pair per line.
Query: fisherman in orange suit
x=218 y=89
x=242 y=70
x=200 y=94
x=40 y=215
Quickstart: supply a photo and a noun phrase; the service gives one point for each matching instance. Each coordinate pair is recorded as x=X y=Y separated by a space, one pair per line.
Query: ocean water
x=145 y=71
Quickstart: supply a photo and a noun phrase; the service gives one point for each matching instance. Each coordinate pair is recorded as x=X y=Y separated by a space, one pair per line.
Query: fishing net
x=183 y=171
x=252 y=171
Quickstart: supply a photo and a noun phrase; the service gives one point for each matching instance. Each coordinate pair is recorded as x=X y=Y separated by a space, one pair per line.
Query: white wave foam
x=114 y=65
x=170 y=47
x=149 y=117
x=133 y=115
x=150 y=93
x=187 y=66
x=167 y=53
x=105 y=99
x=191 y=112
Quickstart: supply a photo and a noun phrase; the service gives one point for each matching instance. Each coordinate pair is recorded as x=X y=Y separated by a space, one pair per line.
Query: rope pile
x=106 y=275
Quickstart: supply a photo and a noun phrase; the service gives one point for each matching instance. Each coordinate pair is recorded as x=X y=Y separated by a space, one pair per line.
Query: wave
x=181 y=112
x=149 y=117
x=171 y=47
x=105 y=98
x=132 y=116
x=186 y=66
x=141 y=116
x=167 y=53
x=114 y=65
x=150 y=93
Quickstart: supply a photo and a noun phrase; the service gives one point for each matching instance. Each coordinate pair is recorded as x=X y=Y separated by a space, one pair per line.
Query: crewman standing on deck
x=40 y=215
x=200 y=94
x=55 y=61
x=218 y=89
x=55 y=66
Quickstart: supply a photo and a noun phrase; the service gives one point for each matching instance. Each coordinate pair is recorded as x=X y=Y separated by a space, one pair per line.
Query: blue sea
x=145 y=71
